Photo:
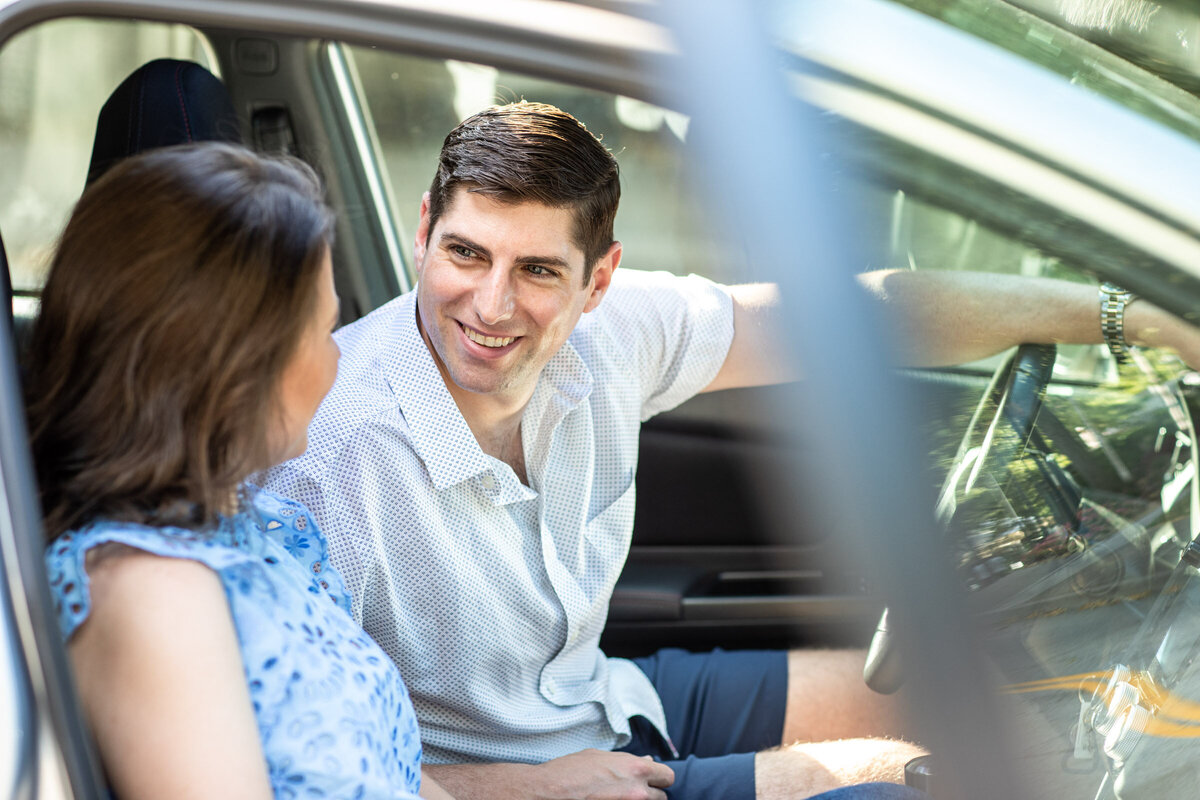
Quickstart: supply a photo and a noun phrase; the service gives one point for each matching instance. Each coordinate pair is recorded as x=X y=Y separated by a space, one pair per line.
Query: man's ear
x=602 y=275
x=422 y=235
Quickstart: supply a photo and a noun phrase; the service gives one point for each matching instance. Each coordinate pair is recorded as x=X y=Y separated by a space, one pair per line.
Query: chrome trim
x=21 y=651
x=588 y=46
x=368 y=152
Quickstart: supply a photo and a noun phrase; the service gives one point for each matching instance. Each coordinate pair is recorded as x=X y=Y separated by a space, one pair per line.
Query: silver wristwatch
x=1113 y=302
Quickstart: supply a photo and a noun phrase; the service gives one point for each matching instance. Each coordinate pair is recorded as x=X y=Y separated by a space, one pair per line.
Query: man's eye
x=538 y=269
x=462 y=252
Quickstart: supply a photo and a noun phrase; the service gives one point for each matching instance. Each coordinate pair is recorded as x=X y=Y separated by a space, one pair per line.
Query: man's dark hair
x=524 y=152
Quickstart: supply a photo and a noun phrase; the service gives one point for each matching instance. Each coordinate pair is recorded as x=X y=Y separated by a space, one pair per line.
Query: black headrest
x=163 y=103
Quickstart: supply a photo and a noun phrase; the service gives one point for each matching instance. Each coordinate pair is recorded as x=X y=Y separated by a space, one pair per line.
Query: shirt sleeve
x=295 y=528
x=290 y=481
x=361 y=502
x=675 y=330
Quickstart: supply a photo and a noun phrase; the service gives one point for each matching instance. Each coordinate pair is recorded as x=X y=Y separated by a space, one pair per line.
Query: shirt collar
x=439 y=434
x=564 y=383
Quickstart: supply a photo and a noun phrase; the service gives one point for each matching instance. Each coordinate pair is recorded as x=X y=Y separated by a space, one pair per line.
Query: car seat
x=162 y=103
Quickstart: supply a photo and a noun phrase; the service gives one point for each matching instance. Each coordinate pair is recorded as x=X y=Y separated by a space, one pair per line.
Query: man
x=473 y=468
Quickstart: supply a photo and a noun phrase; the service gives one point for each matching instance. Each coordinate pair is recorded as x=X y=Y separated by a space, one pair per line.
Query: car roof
x=587 y=44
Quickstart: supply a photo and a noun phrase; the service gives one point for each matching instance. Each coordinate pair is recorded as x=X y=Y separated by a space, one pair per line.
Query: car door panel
x=716 y=559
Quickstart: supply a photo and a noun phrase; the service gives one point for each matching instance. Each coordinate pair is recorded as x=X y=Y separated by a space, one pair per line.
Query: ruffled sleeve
x=66 y=560
x=292 y=525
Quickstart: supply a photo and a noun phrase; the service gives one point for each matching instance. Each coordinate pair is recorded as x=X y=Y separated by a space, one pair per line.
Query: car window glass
x=414 y=102
x=1159 y=37
x=1068 y=518
x=53 y=80
x=1138 y=54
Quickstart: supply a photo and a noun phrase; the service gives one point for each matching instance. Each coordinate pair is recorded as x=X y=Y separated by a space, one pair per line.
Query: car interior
x=1064 y=484
x=713 y=564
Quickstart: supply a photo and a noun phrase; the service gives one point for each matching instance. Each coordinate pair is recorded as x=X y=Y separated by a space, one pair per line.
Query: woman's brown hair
x=178 y=294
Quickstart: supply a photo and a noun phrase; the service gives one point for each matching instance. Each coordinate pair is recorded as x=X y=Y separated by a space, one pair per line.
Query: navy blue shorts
x=722 y=708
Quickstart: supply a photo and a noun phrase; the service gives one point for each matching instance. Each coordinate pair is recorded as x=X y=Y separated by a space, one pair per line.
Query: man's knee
x=810 y=768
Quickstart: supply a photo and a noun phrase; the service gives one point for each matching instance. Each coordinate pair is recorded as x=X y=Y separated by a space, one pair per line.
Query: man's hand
x=602 y=775
x=1149 y=326
x=586 y=775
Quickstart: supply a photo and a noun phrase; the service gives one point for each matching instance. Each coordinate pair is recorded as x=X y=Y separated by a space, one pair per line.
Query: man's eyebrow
x=557 y=262
x=449 y=237
x=548 y=261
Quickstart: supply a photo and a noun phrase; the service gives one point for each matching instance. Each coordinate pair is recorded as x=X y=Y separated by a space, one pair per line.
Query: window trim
x=363 y=149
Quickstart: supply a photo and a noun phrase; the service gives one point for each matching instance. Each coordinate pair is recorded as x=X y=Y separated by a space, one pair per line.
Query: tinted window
x=53 y=80
x=414 y=102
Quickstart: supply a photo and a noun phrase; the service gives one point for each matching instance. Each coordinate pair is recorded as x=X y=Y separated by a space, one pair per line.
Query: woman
x=184 y=342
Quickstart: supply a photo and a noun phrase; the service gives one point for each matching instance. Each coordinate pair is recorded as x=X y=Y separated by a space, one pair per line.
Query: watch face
x=918 y=773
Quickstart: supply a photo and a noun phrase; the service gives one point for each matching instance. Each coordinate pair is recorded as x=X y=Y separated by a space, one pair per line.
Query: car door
x=724 y=551
x=1074 y=542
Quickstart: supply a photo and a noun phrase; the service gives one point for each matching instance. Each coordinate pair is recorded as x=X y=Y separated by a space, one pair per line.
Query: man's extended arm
x=586 y=775
x=951 y=318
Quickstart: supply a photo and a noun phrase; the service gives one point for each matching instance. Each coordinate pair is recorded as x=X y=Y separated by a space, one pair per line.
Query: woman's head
x=187 y=286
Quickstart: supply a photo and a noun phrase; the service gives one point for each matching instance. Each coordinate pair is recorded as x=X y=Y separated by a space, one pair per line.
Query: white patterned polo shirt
x=490 y=594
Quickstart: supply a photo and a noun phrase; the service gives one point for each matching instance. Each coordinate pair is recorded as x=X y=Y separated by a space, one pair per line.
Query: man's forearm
x=951 y=317
x=947 y=317
x=955 y=317
x=591 y=774
x=482 y=781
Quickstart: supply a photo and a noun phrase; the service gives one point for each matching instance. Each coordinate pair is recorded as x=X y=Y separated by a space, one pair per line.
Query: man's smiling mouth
x=487 y=341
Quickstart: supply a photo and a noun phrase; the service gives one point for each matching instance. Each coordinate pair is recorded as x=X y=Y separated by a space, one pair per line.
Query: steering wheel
x=1013 y=397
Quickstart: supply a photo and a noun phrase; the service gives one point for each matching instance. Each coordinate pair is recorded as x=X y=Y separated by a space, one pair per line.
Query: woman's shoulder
x=127 y=579
x=122 y=551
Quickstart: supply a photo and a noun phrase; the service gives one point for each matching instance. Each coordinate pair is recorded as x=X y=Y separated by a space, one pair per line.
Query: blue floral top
x=333 y=713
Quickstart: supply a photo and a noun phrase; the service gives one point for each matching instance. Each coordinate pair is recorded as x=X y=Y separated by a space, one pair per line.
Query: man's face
x=500 y=290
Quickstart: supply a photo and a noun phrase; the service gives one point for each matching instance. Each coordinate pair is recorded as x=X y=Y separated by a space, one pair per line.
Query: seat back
x=162 y=103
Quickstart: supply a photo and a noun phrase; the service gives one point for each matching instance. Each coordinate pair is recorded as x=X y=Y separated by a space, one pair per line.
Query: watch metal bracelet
x=1113 y=302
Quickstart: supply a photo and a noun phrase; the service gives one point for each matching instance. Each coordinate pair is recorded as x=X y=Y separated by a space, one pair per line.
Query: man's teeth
x=489 y=341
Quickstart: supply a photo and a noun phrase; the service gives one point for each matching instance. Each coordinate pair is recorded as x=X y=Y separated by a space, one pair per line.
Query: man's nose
x=494 y=300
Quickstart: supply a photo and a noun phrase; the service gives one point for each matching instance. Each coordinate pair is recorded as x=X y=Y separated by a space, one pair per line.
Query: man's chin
x=470 y=381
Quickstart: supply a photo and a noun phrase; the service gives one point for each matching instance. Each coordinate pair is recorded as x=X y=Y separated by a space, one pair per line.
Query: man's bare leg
x=836 y=731
x=803 y=770
x=827 y=699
